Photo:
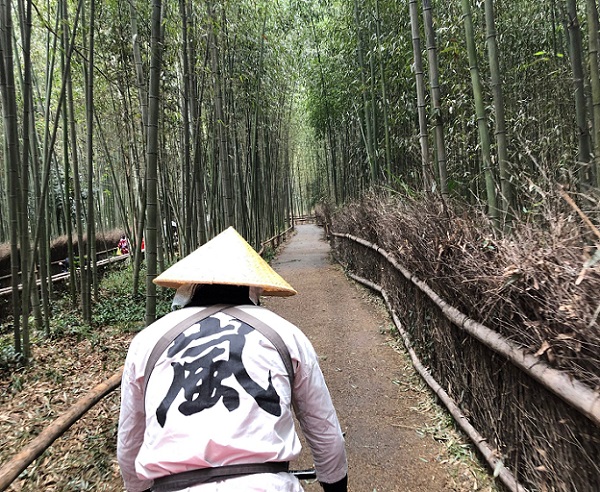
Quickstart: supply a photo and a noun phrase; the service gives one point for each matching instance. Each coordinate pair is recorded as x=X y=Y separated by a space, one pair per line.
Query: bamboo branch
x=584 y=217
x=11 y=470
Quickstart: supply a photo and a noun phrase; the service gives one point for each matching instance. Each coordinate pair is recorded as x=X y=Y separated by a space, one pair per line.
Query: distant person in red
x=123 y=245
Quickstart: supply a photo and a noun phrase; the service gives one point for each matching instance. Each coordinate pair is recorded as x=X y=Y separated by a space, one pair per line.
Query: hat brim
x=227 y=259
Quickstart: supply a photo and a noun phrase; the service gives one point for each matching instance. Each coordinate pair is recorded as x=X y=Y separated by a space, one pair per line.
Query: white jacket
x=221 y=396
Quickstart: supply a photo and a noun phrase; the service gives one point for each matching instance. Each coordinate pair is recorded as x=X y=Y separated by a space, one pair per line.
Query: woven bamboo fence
x=536 y=425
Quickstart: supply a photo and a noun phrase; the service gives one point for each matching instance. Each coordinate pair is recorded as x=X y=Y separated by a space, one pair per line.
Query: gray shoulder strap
x=237 y=313
x=269 y=333
x=172 y=334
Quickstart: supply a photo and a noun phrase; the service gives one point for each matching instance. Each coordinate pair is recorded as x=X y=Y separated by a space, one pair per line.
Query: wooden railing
x=61 y=276
x=275 y=241
x=305 y=219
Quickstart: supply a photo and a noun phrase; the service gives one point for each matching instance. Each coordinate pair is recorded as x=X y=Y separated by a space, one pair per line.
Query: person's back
x=221 y=395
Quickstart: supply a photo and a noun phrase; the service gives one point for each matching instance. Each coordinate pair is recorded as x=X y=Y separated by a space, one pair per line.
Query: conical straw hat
x=227 y=259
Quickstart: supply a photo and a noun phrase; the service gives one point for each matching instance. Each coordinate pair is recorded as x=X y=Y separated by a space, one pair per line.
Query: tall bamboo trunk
x=186 y=157
x=199 y=164
x=12 y=159
x=139 y=197
x=576 y=49
x=42 y=319
x=436 y=99
x=27 y=124
x=484 y=136
x=496 y=84
x=67 y=171
x=373 y=113
x=92 y=272
x=421 y=109
x=384 y=98
x=593 y=27
x=152 y=160
x=256 y=163
x=76 y=180
x=42 y=243
x=365 y=109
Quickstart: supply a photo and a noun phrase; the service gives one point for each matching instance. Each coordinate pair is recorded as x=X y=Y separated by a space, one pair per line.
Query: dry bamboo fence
x=540 y=427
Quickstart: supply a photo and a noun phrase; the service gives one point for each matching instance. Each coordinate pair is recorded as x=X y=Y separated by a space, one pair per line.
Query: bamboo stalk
x=574 y=393
x=11 y=470
x=490 y=454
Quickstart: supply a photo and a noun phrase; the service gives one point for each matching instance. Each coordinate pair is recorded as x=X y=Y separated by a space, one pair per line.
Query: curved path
x=380 y=402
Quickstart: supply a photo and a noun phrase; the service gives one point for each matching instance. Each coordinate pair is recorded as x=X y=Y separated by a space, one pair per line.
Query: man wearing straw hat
x=208 y=390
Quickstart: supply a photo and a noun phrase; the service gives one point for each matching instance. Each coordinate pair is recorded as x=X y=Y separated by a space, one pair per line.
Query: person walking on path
x=208 y=390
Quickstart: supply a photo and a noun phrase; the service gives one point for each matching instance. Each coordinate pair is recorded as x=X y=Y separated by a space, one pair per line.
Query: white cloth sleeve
x=131 y=429
x=317 y=417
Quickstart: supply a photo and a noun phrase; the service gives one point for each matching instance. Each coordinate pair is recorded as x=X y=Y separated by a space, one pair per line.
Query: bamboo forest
x=459 y=138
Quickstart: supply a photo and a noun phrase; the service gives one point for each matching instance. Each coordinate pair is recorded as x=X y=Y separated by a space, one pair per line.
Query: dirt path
x=380 y=403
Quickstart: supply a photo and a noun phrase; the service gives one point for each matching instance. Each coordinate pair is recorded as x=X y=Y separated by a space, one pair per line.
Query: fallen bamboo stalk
x=573 y=392
x=574 y=206
x=11 y=470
